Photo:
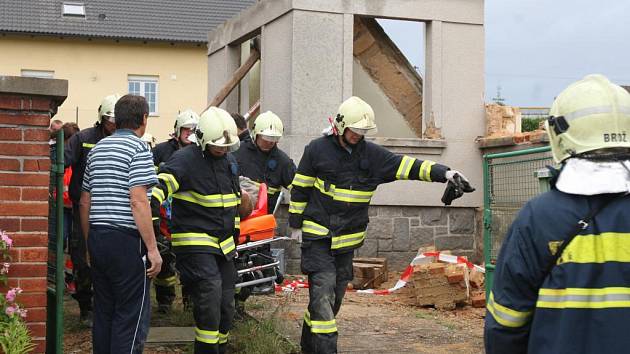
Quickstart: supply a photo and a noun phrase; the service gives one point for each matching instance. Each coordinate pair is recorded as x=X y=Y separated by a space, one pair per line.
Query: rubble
x=369 y=272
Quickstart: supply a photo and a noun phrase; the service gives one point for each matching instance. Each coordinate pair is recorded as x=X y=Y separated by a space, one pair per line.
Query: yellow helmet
x=106 y=109
x=186 y=119
x=269 y=125
x=356 y=114
x=590 y=114
x=216 y=128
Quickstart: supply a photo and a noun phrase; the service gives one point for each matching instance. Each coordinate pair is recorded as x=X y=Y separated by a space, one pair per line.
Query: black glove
x=455 y=188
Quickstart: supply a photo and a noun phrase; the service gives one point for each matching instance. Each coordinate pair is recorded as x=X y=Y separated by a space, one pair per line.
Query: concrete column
x=221 y=65
x=433 y=85
x=348 y=55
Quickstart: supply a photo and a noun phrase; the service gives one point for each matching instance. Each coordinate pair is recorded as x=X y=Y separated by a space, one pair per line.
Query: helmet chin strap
x=349 y=144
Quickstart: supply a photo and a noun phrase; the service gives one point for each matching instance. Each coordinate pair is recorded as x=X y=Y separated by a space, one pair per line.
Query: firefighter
x=202 y=179
x=75 y=156
x=561 y=282
x=261 y=160
x=335 y=181
x=165 y=282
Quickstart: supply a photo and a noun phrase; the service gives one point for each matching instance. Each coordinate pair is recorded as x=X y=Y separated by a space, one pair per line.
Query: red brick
x=479 y=300
x=9 y=194
x=35 y=194
x=9 y=165
x=36 y=254
x=10 y=134
x=22 y=179
x=454 y=278
x=37 y=329
x=24 y=209
x=37 y=314
x=40 y=346
x=12 y=102
x=10 y=224
x=36 y=165
x=14 y=253
x=28 y=271
x=34 y=225
x=32 y=149
x=40 y=104
x=33 y=285
x=437 y=268
x=36 y=135
x=31 y=239
x=42 y=120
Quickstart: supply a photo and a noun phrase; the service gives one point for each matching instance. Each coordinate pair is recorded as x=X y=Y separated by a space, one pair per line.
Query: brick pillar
x=26 y=106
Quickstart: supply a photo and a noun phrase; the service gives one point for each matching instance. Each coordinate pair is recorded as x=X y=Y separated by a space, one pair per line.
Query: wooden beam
x=238 y=75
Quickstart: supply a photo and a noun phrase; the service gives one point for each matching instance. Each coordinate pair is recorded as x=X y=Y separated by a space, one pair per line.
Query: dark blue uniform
x=583 y=304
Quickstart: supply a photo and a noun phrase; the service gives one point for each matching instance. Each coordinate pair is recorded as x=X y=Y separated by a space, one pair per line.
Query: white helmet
x=148 y=138
x=216 y=128
x=186 y=119
x=106 y=109
x=269 y=125
x=356 y=114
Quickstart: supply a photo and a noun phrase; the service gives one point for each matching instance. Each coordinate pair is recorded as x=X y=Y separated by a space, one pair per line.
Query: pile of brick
x=369 y=273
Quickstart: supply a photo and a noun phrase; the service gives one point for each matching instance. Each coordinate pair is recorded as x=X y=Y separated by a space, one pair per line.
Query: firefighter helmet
x=357 y=115
x=269 y=126
x=186 y=119
x=106 y=109
x=216 y=128
x=590 y=114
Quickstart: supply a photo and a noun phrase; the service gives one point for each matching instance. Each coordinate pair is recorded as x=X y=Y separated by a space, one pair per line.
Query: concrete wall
x=96 y=68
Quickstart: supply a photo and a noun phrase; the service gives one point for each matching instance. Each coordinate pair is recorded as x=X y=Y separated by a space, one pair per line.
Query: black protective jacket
x=333 y=187
x=163 y=151
x=206 y=195
x=275 y=169
x=75 y=155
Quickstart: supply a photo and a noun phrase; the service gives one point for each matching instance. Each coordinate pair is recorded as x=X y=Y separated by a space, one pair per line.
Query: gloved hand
x=457 y=185
x=296 y=235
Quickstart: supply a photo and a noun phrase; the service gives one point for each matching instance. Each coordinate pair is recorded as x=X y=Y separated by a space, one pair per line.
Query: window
x=42 y=74
x=146 y=86
x=73 y=9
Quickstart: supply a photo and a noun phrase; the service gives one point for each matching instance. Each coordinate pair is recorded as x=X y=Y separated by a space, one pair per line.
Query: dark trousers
x=328 y=277
x=122 y=306
x=167 y=278
x=81 y=270
x=210 y=281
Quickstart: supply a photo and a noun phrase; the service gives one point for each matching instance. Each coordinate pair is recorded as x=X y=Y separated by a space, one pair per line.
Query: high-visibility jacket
x=163 y=151
x=580 y=305
x=75 y=155
x=332 y=188
x=206 y=194
x=275 y=169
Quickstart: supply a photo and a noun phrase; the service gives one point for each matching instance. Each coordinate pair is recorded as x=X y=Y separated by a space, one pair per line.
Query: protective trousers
x=167 y=278
x=81 y=270
x=210 y=281
x=328 y=277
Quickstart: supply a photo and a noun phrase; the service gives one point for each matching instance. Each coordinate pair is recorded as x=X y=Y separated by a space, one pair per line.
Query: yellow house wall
x=98 y=67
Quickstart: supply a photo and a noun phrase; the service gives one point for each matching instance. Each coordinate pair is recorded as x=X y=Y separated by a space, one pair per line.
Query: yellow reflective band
x=88 y=145
x=237 y=222
x=210 y=337
x=349 y=240
x=405 y=167
x=343 y=195
x=506 y=316
x=584 y=298
x=209 y=201
x=170 y=181
x=303 y=180
x=425 y=170
x=194 y=239
x=320 y=326
x=297 y=207
x=158 y=194
x=314 y=228
x=156 y=168
x=270 y=190
x=227 y=245
x=155 y=218
x=602 y=248
x=223 y=337
x=166 y=282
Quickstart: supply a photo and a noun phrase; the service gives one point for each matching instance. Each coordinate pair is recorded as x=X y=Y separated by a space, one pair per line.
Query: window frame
x=41 y=74
x=142 y=80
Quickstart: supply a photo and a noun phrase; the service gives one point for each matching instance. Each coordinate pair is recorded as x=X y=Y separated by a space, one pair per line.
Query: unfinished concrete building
x=315 y=54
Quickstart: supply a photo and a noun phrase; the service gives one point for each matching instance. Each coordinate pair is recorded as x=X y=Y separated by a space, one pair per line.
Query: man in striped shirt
x=119 y=234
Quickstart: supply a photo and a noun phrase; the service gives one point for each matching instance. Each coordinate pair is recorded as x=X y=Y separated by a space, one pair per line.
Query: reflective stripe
x=605 y=247
x=506 y=316
x=344 y=195
x=158 y=194
x=156 y=168
x=320 y=326
x=303 y=180
x=227 y=245
x=270 y=190
x=584 y=298
x=170 y=181
x=167 y=282
x=88 y=145
x=297 y=207
x=194 y=239
x=348 y=240
x=209 y=201
x=314 y=228
x=210 y=337
x=237 y=222
x=223 y=337
x=155 y=218
x=595 y=110
x=425 y=170
x=405 y=167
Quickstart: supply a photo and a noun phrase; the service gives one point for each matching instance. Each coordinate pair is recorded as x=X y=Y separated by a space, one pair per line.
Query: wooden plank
x=238 y=75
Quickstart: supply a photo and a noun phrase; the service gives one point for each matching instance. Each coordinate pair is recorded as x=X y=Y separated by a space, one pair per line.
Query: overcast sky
x=535 y=48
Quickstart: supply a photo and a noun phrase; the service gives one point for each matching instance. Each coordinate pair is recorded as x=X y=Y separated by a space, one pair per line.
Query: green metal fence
x=510 y=180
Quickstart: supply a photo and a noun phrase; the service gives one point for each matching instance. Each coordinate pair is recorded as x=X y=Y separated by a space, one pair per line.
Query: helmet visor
x=362 y=131
x=270 y=138
x=110 y=119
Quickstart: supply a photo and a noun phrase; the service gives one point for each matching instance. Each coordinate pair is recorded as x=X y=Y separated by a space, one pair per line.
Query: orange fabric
x=258 y=228
x=261 y=206
x=67 y=175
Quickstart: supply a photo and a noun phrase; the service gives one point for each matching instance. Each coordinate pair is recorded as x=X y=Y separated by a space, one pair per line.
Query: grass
x=251 y=336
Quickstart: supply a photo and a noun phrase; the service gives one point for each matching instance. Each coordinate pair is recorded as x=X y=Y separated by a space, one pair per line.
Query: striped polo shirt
x=116 y=164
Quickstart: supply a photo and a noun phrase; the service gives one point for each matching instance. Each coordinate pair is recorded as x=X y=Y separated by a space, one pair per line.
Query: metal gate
x=510 y=180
